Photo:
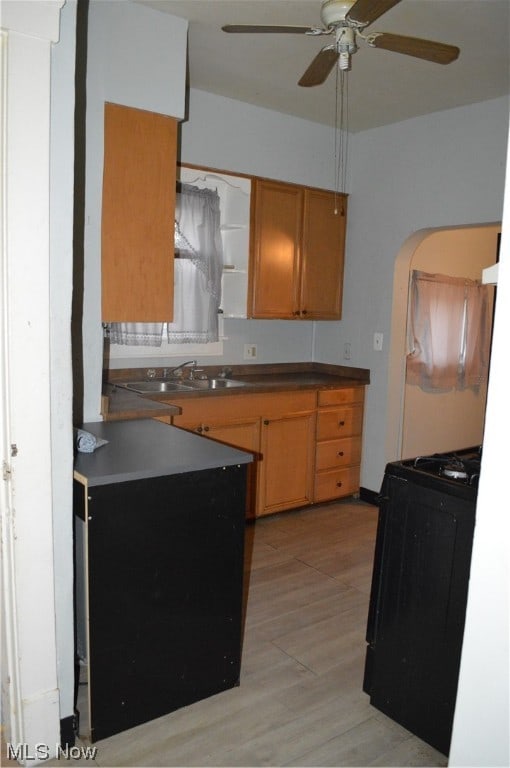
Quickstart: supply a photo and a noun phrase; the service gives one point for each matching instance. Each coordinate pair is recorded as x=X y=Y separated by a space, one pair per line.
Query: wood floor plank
x=358 y=746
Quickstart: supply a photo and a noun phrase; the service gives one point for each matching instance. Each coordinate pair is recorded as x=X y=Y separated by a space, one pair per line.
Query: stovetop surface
x=452 y=471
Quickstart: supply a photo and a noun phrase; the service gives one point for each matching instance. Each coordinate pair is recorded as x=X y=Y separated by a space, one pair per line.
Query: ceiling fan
x=347 y=19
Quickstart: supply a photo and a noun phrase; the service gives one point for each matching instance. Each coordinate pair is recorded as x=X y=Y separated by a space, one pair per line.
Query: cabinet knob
x=266 y=422
x=304 y=312
x=339 y=484
x=341 y=423
x=340 y=453
x=206 y=429
x=199 y=429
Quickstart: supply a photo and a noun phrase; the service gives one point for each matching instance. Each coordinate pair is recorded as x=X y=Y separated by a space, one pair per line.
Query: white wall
x=443 y=169
x=482 y=715
x=136 y=57
x=227 y=134
x=30 y=695
x=61 y=282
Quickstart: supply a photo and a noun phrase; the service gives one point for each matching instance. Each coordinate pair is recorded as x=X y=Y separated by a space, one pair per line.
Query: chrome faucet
x=173 y=371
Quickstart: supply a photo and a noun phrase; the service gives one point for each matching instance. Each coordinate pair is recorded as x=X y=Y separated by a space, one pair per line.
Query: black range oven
x=419 y=590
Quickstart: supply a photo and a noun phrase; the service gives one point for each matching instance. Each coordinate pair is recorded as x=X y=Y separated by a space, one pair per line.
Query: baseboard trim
x=370 y=497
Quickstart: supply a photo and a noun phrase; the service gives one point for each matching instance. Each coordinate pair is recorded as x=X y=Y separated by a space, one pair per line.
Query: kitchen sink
x=155 y=386
x=215 y=383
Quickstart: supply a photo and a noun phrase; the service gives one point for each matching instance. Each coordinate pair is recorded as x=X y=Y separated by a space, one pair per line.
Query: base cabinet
x=278 y=429
x=163 y=563
x=306 y=444
x=238 y=433
x=338 y=446
x=285 y=477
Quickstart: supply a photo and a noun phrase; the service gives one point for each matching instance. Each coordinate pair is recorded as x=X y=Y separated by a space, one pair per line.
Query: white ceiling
x=384 y=87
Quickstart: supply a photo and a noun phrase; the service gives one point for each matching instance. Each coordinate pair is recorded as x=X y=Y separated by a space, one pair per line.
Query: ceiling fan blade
x=265 y=28
x=320 y=67
x=440 y=53
x=367 y=11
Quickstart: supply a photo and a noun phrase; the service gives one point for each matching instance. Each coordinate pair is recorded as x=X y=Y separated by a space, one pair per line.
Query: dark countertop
x=146 y=448
x=257 y=378
x=123 y=404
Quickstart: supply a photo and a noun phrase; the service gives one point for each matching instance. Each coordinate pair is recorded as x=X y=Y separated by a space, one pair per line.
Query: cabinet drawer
x=338 y=453
x=339 y=422
x=336 y=483
x=341 y=396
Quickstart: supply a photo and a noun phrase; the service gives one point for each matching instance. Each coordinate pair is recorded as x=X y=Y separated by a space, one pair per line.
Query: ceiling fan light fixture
x=345 y=46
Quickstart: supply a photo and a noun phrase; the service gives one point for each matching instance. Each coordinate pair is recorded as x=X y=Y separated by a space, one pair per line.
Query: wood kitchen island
x=159 y=537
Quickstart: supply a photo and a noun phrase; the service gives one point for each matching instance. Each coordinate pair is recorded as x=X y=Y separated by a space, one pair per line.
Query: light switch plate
x=378 y=342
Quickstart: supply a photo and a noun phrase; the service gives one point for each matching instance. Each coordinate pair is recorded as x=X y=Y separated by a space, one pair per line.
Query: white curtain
x=449 y=332
x=198 y=266
x=197 y=276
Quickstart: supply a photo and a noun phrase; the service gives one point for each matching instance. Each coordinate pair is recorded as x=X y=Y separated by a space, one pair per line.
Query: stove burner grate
x=461 y=467
x=454 y=472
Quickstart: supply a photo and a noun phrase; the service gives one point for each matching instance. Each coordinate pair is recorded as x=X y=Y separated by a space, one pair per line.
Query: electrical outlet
x=250 y=351
x=347 y=351
x=378 y=341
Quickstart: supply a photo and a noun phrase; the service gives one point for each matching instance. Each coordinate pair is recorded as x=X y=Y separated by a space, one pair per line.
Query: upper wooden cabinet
x=137 y=229
x=297 y=252
x=322 y=273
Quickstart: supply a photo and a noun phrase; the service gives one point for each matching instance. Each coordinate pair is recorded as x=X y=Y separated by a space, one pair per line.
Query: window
x=449 y=332
x=197 y=276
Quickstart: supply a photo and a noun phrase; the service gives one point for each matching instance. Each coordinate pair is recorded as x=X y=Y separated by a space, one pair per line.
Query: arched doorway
x=415 y=421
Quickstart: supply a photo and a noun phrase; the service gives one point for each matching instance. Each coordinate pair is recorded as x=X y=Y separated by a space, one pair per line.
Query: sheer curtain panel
x=198 y=266
x=197 y=276
x=449 y=332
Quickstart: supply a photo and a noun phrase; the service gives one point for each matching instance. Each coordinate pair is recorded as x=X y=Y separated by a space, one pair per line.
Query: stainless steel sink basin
x=153 y=386
x=215 y=383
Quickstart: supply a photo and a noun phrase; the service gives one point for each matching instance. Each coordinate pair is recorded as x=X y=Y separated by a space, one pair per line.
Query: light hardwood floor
x=300 y=701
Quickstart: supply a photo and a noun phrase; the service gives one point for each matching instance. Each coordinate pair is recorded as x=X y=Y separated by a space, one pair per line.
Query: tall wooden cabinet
x=137 y=228
x=297 y=252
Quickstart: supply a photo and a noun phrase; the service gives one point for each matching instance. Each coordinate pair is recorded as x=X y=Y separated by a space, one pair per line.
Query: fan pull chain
x=341 y=132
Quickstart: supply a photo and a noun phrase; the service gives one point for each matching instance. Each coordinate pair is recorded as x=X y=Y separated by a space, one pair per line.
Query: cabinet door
x=276 y=227
x=137 y=232
x=285 y=478
x=323 y=255
x=244 y=434
x=238 y=434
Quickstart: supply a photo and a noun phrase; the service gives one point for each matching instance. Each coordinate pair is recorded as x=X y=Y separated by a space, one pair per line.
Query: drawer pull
x=340 y=453
x=339 y=484
x=341 y=423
